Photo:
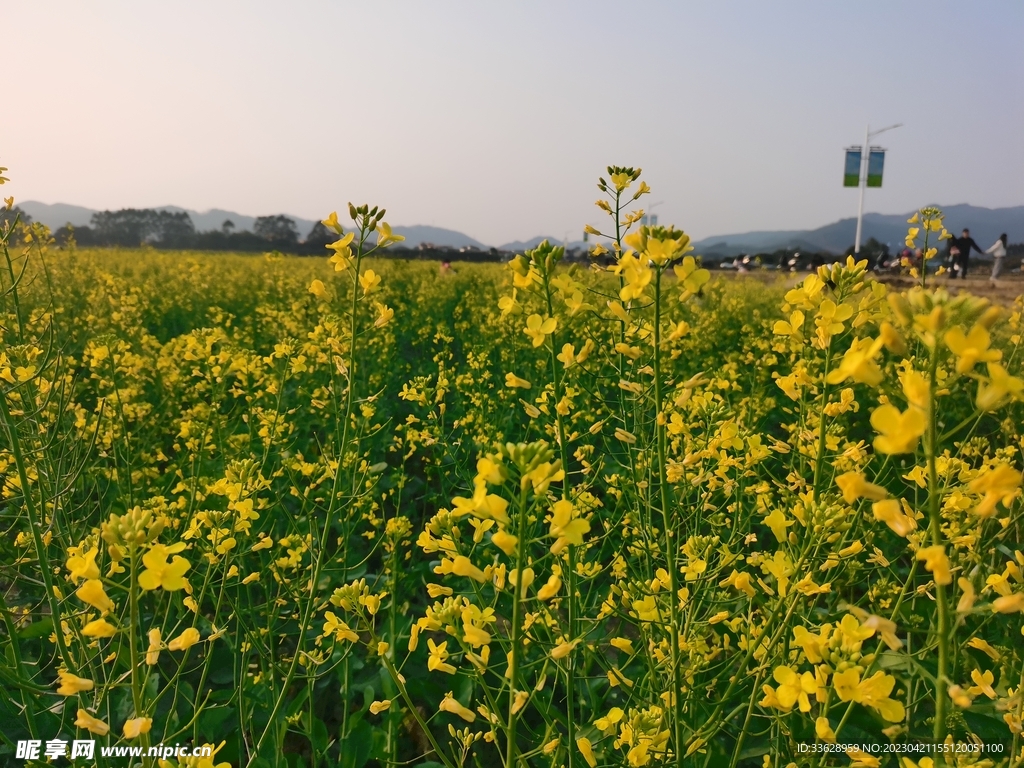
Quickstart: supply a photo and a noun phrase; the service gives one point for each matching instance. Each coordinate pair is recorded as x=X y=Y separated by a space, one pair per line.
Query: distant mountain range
x=986 y=224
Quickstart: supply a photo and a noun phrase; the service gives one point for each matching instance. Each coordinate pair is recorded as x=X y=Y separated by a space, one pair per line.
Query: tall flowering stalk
x=931 y=221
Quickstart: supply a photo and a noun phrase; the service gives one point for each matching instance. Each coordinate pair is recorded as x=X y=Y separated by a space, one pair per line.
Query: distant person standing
x=952 y=258
x=963 y=245
x=998 y=251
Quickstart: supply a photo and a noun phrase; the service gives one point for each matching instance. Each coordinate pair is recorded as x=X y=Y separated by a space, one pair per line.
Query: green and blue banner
x=851 y=176
x=876 y=160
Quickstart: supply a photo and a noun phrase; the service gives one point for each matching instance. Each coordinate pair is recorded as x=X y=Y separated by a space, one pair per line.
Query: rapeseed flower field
x=355 y=511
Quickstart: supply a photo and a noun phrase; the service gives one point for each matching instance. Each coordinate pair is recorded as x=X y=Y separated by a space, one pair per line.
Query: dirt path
x=1005 y=291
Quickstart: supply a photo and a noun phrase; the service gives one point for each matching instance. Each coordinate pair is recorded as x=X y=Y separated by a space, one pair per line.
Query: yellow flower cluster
x=581 y=509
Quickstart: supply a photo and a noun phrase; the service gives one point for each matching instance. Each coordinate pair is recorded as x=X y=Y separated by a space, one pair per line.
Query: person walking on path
x=998 y=251
x=963 y=244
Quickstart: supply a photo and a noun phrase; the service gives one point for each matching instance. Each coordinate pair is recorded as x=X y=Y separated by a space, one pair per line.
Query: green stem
x=35 y=526
x=819 y=459
x=392 y=737
x=511 y=756
x=133 y=644
x=318 y=560
x=400 y=684
x=15 y=280
x=935 y=529
x=670 y=543
x=16 y=658
x=570 y=576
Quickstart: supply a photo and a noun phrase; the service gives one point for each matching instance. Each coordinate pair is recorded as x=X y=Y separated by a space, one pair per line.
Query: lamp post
x=864 y=155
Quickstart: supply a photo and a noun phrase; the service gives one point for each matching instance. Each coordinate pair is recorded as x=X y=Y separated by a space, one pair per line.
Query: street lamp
x=864 y=157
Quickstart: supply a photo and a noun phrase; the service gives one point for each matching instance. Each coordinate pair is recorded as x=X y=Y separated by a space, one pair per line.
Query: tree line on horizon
x=134 y=227
x=166 y=230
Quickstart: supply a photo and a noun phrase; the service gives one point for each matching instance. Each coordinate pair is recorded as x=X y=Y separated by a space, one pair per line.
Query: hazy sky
x=496 y=118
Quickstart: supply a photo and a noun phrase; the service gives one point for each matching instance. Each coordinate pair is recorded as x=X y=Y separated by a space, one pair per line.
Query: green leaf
x=211 y=722
x=355 y=750
x=319 y=736
x=36 y=629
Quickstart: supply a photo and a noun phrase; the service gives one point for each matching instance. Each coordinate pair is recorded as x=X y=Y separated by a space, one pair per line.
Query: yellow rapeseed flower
x=739 y=581
x=872 y=692
x=792 y=327
x=474 y=634
x=793 y=690
x=550 y=588
x=386 y=237
x=185 y=640
x=998 y=484
x=997 y=387
x=778 y=523
x=504 y=541
x=936 y=562
x=333 y=626
x=823 y=730
x=539 y=328
x=160 y=573
x=563 y=649
x=369 y=281
x=567 y=357
x=318 y=289
x=859 y=363
x=463 y=566
x=437 y=661
x=513 y=381
x=1012 y=603
x=509 y=305
x=636 y=276
x=487 y=506
x=92 y=592
x=972 y=348
x=983 y=683
x=384 y=315
x=137 y=726
x=890 y=512
x=690 y=276
x=624 y=644
x=585 y=748
x=99 y=628
x=71 y=684
x=451 y=705
x=899 y=432
x=854 y=486
x=83 y=566
x=331 y=222
x=380 y=706
x=155 y=646
x=566 y=527
x=89 y=723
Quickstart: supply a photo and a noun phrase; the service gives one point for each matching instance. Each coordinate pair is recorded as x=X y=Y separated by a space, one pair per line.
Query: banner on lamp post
x=876 y=161
x=851 y=175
